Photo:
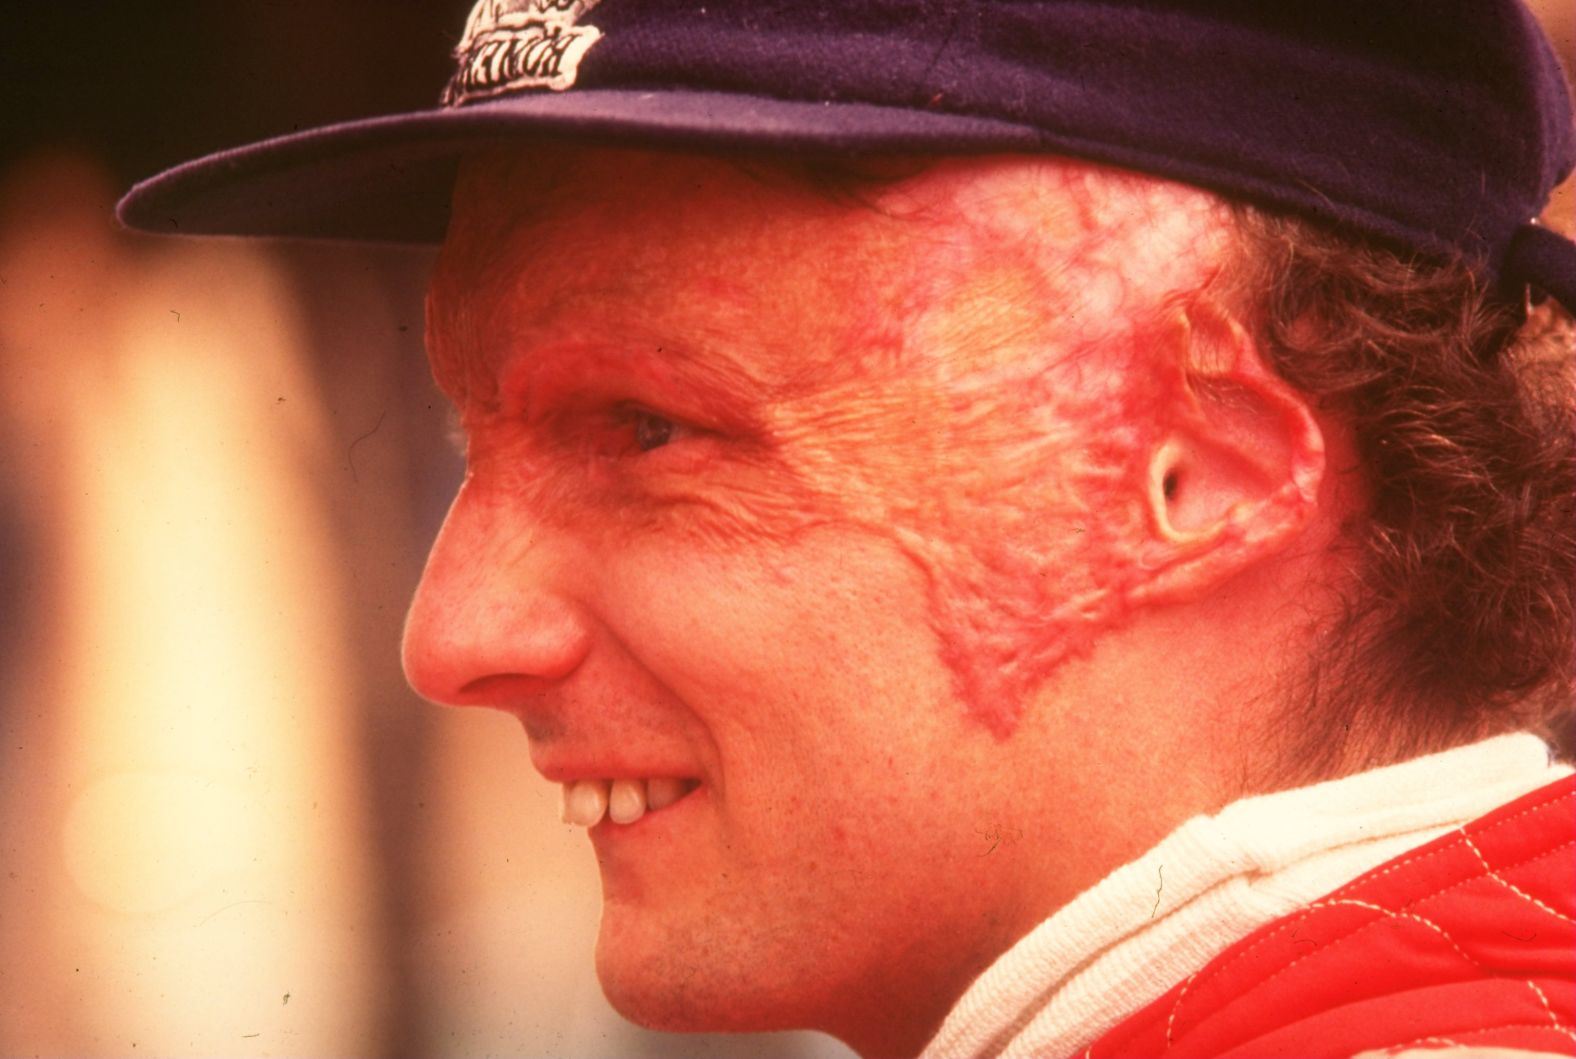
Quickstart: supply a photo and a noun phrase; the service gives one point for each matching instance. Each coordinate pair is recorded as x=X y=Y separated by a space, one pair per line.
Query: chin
x=691 y=984
x=679 y=1001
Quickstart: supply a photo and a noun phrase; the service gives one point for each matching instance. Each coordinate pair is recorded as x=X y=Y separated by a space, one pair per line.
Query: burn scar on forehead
x=963 y=367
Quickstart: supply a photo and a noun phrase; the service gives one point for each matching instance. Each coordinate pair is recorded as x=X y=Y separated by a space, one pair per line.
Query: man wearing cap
x=1021 y=529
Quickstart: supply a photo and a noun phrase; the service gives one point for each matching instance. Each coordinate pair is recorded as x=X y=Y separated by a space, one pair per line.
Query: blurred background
x=226 y=826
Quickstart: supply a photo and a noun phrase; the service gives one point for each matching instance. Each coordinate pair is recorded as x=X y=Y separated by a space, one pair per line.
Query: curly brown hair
x=1460 y=402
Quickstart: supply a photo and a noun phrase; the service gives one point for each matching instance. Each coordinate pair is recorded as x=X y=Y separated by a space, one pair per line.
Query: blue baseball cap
x=1438 y=127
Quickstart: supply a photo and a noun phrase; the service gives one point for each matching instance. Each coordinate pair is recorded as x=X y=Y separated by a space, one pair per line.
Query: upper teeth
x=623 y=801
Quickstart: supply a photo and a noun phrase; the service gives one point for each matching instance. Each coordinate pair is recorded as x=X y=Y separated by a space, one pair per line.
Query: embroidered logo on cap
x=514 y=44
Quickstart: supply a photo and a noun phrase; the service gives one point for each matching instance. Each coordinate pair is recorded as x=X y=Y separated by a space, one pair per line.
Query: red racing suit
x=1468 y=941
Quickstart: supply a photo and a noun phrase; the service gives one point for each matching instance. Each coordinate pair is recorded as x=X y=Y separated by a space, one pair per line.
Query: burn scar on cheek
x=1028 y=546
x=1026 y=535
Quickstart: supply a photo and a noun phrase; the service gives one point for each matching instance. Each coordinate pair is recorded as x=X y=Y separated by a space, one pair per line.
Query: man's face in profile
x=819 y=504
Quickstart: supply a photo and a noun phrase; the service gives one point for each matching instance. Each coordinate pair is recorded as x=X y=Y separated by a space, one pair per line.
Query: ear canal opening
x=1165 y=486
x=1197 y=487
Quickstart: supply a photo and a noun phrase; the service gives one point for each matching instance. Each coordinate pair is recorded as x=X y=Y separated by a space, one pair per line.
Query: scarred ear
x=1235 y=473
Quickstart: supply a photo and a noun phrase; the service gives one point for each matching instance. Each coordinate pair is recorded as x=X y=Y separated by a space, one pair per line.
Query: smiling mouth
x=622 y=801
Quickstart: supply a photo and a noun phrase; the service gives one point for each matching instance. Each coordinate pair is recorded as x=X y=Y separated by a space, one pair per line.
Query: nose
x=494 y=619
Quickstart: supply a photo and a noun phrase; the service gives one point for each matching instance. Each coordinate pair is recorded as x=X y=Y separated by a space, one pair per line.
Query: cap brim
x=390 y=178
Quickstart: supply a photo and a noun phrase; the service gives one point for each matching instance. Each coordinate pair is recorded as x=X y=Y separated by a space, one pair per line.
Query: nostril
x=493 y=687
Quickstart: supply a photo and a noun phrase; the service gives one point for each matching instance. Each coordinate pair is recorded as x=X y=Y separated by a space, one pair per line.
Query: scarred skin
x=943 y=475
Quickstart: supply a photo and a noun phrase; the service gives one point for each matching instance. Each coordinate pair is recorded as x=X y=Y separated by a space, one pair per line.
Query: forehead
x=584 y=239
x=560 y=246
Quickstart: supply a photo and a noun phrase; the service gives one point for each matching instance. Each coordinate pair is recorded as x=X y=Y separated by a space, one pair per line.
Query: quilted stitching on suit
x=1512 y=887
x=1485 y=869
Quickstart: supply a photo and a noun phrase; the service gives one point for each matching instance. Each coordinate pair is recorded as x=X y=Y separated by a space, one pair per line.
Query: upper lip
x=565 y=769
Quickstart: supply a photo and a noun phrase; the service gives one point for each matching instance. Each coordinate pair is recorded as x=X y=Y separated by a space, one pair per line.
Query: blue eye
x=651 y=430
